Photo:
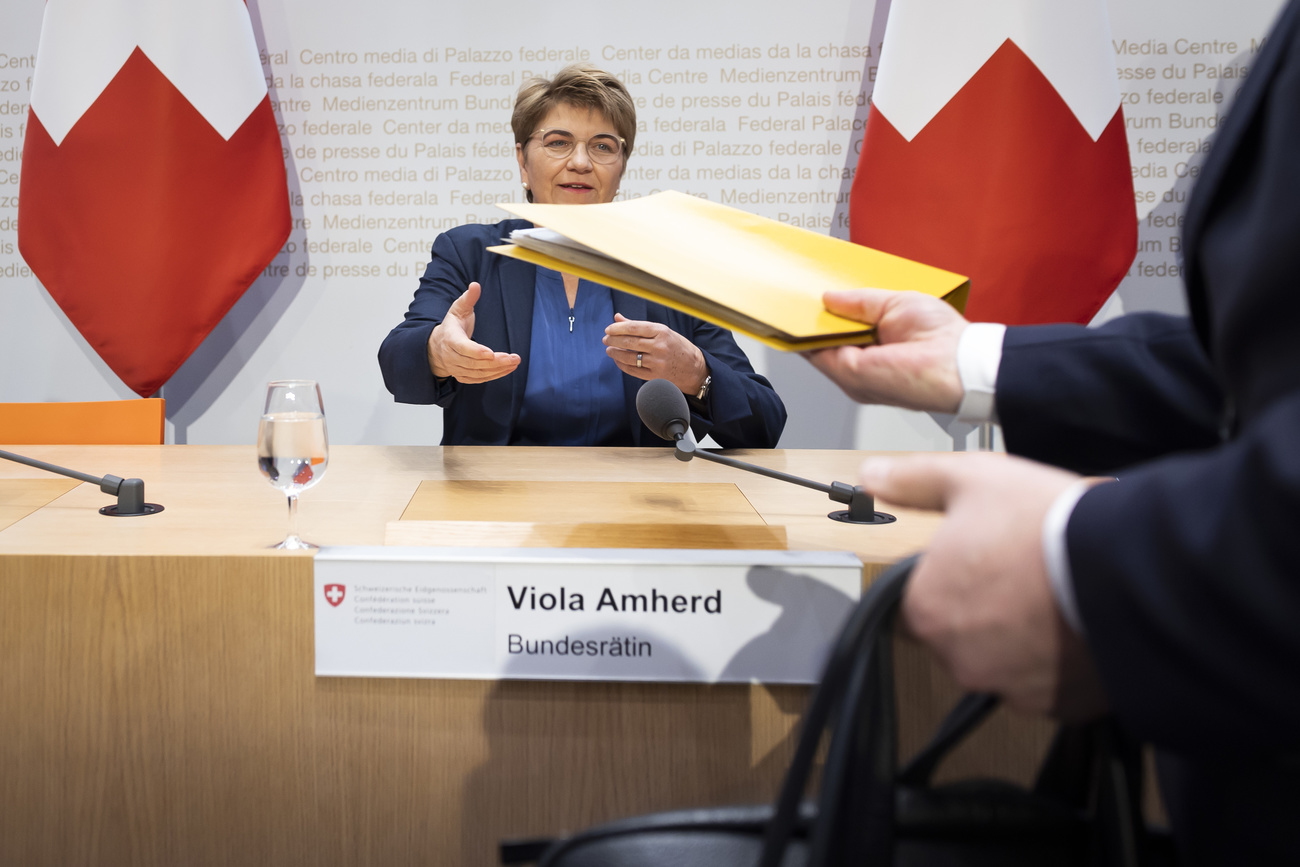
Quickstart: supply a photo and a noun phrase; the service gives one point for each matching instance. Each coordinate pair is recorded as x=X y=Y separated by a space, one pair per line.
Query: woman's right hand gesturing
x=453 y=354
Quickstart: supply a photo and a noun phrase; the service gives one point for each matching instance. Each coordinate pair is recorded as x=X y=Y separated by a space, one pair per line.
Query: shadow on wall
x=52 y=383
x=840 y=219
x=820 y=415
x=1155 y=282
x=213 y=366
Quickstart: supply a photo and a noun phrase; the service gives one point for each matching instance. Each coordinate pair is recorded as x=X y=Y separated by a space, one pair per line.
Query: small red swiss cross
x=334 y=594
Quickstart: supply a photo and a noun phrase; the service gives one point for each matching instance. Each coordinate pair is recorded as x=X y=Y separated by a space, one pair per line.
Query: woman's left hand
x=663 y=353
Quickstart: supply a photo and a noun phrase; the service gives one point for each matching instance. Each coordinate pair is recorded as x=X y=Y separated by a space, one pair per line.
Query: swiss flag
x=153 y=187
x=995 y=148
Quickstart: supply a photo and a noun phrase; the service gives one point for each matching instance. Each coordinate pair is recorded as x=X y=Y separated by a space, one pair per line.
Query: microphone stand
x=861 y=505
x=129 y=492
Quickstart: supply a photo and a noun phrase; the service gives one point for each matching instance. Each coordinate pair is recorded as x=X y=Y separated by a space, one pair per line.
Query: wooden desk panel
x=166 y=712
x=161 y=706
x=20 y=497
x=580 y=502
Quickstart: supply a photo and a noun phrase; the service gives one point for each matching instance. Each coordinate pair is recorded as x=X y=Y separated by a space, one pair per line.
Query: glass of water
x=292 y=448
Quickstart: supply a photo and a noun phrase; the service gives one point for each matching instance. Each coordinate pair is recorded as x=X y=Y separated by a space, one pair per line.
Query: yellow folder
x=726 y=266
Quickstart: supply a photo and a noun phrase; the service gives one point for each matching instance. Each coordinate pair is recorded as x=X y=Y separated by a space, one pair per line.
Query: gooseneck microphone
x=663 y=409
x=129 y=492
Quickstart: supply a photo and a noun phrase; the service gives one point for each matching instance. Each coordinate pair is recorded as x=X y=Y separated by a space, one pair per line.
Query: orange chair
x=102 y=422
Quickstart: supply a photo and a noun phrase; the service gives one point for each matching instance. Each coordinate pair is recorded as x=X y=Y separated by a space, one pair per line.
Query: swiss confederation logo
x=334 y=594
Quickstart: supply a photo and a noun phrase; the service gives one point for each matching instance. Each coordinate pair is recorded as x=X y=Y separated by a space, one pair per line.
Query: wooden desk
x=160 y=705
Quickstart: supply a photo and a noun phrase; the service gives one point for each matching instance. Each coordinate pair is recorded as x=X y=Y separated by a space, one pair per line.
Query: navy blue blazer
x=742 y=410
x=1187 y=570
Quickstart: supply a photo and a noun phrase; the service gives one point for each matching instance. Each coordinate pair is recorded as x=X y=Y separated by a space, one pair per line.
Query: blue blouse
x=574 y=395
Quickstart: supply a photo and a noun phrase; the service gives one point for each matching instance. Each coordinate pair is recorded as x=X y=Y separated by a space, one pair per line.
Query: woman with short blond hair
x=519 y=354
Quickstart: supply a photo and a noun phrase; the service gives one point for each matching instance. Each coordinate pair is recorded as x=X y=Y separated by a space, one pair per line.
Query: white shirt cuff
x=1056 y=555
x=979 y=354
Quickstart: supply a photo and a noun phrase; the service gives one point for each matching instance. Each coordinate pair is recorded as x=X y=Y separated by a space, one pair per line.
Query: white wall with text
x=395 y=122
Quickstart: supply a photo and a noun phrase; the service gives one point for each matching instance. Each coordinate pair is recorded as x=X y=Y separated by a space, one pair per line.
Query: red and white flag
x=153 y=188
x=995 y=148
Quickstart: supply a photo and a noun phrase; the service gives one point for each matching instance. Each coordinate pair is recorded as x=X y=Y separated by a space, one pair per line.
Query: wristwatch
x=704 y=388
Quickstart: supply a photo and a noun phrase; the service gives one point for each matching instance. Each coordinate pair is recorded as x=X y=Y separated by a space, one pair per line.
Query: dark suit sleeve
x=1185 y=569
x=743 y=410
x=1187 y=575
x=1097 y=400
x=403 y=356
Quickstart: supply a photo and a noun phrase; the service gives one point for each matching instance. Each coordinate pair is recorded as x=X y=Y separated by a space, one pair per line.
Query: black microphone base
x=876 y=518
x=114 y=511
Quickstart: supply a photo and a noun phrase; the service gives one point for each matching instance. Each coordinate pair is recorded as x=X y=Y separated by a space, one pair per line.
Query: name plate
x=696 y=616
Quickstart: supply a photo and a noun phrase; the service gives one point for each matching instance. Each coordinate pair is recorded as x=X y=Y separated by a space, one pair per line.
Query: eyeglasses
x=603 y=148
